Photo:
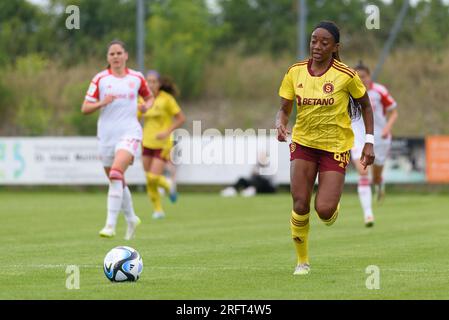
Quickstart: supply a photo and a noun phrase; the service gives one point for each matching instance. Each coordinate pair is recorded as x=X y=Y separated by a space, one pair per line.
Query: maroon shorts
x=327 y=161
x=154 y=153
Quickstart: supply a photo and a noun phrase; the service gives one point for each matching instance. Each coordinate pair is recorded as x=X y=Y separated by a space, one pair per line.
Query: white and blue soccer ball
x=123 y=264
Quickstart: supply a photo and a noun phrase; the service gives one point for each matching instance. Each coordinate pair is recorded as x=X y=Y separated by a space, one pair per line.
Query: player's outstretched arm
x=368 y=156
x=282 y=119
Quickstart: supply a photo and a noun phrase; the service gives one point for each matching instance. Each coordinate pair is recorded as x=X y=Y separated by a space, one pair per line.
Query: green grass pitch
x=214 y=248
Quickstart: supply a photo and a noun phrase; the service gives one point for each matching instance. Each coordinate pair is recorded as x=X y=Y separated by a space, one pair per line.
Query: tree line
x=182 y=38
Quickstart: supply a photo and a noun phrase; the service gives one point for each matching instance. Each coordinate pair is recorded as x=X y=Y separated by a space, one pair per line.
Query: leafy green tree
x=100 y=22
x=428 y=25
x=180 y=39
x=21 y=26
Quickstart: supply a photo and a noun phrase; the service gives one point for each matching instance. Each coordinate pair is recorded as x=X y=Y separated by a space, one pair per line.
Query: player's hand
x=107 y=100
x=144 y=107
x=385 y=132
x=283 y=133
x=368 y=156
x=162 y=135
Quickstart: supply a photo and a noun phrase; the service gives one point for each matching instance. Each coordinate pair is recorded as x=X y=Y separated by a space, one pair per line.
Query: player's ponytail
x=165 y=83
x=168 y=85
x=336 y=55
x=354 y=108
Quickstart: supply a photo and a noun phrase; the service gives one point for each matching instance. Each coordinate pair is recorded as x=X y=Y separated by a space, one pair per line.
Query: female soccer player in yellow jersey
x=159 y=122
x=328 y=94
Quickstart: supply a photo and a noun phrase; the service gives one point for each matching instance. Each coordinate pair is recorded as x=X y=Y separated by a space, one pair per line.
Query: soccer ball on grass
x=123 y=264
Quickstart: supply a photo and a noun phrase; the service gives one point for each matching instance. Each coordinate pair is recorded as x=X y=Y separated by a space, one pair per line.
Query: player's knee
x=300 y=206
x=325 y=211
x=151 y=178
x=116 y=174
x=377 y=180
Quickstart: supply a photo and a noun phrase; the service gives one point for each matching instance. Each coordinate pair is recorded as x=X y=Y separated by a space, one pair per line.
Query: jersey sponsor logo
x=120 y=96
x=314 y=101
x=92 y=89
x=130 y=96
x=328 y=88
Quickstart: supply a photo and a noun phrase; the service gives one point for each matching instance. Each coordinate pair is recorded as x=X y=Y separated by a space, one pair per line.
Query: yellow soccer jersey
x=158 y=119
x=322 y=120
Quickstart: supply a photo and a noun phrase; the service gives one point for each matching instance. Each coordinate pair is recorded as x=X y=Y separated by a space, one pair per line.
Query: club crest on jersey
x=328 y=88
x=292 y=147
x=131 y=84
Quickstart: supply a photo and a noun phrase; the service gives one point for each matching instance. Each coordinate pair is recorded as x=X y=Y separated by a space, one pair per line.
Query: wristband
x=369 y=138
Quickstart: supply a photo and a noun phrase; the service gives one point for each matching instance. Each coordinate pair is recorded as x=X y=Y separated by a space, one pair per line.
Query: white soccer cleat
x=369 y=221
x=158 y=215
x=132 y=228
x=228 y=192
x=249 y=192
x=107 y=232
x=302 y=269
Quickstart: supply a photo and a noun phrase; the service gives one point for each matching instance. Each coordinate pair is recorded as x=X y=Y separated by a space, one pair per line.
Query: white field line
x=215 y=267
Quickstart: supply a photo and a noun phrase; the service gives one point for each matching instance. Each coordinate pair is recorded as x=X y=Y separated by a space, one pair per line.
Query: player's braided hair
x=354 y=108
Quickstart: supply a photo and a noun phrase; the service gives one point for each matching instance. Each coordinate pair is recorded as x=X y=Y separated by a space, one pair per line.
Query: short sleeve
x=93 y=93
x=144 y=91
x=356 y=87
x=173 y=107
x=388 y=102
x=286 y=90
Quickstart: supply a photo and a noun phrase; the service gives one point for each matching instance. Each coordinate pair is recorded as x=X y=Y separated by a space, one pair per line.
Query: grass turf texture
x=214 y=248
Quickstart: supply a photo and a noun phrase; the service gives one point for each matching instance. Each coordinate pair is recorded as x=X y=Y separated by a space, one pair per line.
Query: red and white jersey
x=119 y=118
x=382 y=102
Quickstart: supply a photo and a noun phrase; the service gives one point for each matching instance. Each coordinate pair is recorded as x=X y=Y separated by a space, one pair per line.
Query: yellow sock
x=162 y=182
x=153 y=193
x=299 y=225
x=332 y=219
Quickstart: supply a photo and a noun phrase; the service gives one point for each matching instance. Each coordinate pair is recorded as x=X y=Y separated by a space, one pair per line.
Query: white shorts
x=381 y=150
x=107 y=153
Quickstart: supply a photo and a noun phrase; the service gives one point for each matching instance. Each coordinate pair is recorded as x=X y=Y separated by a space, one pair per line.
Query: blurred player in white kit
x=385 y=115
x=114 y=92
